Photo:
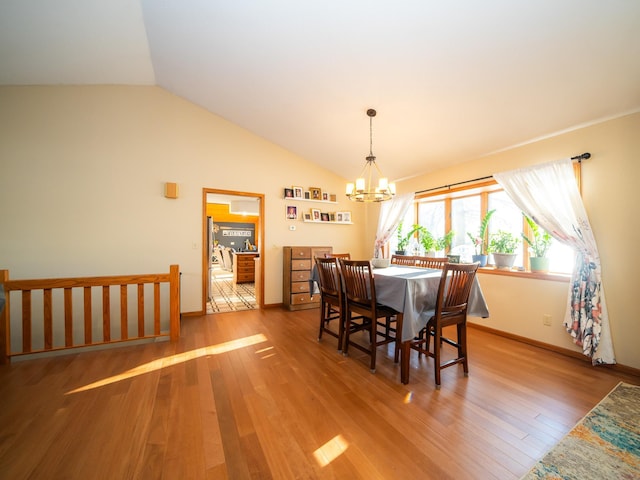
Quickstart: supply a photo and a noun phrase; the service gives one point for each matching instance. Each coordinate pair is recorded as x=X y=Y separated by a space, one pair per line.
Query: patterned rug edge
x=604 y=444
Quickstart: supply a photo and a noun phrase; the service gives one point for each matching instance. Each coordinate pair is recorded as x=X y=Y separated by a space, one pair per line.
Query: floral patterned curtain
x=391 y=212
x=548 y=193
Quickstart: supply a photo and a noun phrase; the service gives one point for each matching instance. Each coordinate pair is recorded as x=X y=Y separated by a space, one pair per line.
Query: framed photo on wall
x=315 y=214
x=324 y=217
x=292 y=212
x=297 y=192
x=346 y=217
x=316 y=193
x=288 y=193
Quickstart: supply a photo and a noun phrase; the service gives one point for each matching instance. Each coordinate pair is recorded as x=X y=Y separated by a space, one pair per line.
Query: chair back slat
x=455 y=287
x=357 y=276
x=431 y=262
x=407 y=260
x=338 y=255
x=328 y=275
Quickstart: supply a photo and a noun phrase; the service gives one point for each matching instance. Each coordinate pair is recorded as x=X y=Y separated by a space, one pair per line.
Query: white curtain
x=548 y=193
x=391 y=212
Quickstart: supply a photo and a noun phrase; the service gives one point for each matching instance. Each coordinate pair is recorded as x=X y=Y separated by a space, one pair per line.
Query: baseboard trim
x=563 y=351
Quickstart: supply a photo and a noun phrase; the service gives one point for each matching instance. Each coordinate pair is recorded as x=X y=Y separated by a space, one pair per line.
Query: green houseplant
x=480 y=241
x=443 y=243
x=403 y=240
x=539 y=242
x=425 y=238
x=503 y=246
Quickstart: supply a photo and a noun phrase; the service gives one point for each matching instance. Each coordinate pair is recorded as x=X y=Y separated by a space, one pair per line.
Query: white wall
x=81 y=185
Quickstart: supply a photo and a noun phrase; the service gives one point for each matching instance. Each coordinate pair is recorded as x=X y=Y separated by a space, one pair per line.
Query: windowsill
x=555 y=277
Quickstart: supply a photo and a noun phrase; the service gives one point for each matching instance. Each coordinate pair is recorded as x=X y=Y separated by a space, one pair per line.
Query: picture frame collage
x=314 y=194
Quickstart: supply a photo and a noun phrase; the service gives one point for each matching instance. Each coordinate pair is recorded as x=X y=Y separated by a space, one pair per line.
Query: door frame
x=259 y=234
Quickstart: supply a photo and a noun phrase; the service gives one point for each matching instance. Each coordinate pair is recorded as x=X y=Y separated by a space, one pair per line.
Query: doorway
x=233 y=234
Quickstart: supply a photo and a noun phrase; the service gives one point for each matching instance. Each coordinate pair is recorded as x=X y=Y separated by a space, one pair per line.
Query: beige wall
x=609 y=188
x=81 y=185
x=83 y=168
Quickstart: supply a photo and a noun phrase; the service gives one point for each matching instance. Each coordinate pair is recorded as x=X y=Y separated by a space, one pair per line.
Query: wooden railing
x=71 y=325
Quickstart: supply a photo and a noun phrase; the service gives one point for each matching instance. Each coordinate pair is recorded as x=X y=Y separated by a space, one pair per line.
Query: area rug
x=605 y=444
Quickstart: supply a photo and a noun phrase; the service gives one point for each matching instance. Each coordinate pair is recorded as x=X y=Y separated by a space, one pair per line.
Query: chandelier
x=365 y=188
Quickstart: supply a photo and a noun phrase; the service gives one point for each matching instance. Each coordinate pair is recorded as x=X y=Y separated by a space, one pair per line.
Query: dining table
x=413 y=291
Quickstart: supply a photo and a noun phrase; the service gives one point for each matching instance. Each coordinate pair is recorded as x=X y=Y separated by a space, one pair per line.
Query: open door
x=233 y=228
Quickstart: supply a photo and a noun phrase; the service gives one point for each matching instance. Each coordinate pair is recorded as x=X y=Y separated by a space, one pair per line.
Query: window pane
x=507 y=217
x=407 y=225
x=431 y=216
x=465 y=218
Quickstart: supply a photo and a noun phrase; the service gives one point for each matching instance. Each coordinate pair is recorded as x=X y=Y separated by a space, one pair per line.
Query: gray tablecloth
x=413 y=291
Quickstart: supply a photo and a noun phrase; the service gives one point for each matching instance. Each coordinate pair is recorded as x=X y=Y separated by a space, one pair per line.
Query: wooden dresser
x=244 y=268
x=297 y=264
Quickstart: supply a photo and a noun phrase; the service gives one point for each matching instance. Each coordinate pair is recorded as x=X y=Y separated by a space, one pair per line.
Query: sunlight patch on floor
x=175 y=360
x=331 y=450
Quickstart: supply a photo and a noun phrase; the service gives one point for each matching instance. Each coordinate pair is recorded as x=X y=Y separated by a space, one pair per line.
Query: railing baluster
x=141 y=310
x=88 y=316
x=106 y=314
x=26 y=321
x=68 y=317
x=156 y=308
x=48 y=319
x=124 y=320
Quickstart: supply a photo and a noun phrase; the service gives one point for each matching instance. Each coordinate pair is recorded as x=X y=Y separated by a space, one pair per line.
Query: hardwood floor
x=253 y=395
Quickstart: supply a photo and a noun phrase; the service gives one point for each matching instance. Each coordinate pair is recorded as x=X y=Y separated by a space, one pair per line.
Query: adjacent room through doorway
x=233 y=239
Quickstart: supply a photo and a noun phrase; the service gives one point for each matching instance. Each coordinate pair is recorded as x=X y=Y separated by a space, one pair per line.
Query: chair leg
x=322 y=317
x=341 y=330
x=436 y=355
x=373 y=336
x=399 y=321
x=462 y=347
x=347 y=329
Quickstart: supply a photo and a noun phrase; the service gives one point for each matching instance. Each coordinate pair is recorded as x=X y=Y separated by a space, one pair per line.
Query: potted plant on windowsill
x=503 y=246
x=480 y=241
x=539 y=244
x=442 y=243
x=425 y=238
x=403 y=240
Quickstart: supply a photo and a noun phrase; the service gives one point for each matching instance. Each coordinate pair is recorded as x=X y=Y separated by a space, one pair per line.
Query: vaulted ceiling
x=451 y=81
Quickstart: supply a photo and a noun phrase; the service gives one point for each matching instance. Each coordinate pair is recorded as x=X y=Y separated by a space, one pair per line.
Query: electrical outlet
x=546 y=320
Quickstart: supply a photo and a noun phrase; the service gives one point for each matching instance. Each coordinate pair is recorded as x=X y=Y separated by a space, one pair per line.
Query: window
x=507 y=217
x=461 y=209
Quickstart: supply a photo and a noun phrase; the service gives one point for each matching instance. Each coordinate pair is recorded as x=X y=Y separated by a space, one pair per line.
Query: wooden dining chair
x=360 y=300
x=338 y=255
x=331 y=299
x=451 y=309
x=431 y=262
x=403 y=260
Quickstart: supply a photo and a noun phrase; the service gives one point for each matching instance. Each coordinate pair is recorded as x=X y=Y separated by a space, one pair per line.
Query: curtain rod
x=578 y=158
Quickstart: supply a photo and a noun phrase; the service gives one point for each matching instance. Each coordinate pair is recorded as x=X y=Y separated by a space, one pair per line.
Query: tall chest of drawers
x=297 y=264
